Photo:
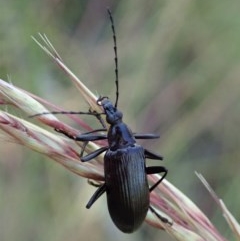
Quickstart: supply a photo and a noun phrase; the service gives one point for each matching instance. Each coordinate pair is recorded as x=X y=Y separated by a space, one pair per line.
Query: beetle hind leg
x=154 y=170
x=96 y=195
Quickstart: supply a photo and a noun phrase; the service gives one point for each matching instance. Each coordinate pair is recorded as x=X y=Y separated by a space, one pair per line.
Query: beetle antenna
x=67 y=113
x=115 y=55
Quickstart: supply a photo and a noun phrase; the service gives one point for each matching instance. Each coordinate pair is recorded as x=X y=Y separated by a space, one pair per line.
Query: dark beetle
x=125 y=169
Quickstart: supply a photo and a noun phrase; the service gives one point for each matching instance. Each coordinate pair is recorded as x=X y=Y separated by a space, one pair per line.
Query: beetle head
x=113 y=115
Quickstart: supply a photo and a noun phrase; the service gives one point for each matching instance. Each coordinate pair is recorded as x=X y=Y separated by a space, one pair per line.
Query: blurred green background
x=179 y=67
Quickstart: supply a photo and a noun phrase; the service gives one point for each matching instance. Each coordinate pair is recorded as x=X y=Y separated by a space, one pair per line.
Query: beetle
x=125 y=170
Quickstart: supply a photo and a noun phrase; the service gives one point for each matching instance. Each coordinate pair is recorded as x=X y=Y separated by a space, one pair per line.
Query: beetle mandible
x=125 y=169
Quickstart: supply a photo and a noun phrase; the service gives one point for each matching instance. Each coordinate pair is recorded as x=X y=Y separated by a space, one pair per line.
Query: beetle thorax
x=120 y=136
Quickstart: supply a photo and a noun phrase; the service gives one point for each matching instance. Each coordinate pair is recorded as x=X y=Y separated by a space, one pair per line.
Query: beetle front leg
x=88 y=136
x=96 y=195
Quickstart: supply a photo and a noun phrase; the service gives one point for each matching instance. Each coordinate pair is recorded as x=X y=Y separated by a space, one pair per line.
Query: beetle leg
x=98 y=116
x=64 y=133
x=86 y=136
x=94 y=154
x=96 y=195
x=89 y=137
x=83 y=148
x=154 y=170
x=163 y=219
x=97 y=130
x=152 y=155
x=145 y=136
x=92 y=183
